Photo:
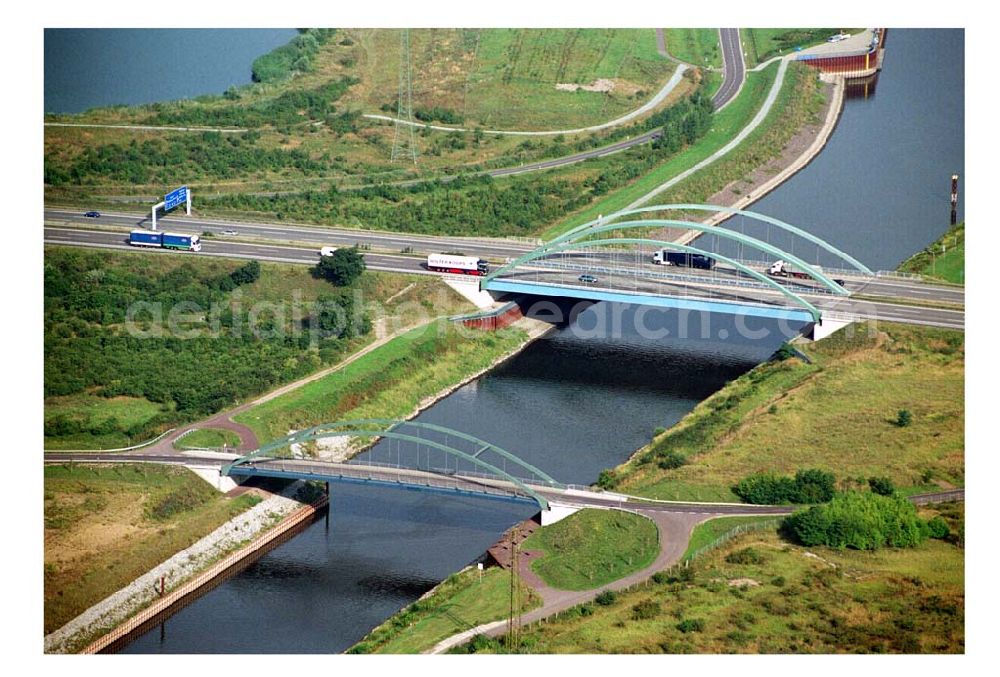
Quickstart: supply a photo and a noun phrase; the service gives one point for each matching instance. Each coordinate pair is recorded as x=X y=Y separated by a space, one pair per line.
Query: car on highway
x=230 y=232
x=588 y=279
x=93 y=215
x=327 y=251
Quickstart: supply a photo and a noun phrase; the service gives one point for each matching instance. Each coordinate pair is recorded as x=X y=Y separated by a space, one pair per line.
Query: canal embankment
x=156 y=592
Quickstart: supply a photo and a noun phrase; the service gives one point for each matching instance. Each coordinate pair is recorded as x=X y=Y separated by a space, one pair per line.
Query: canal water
x=89 y=67
x=881 y=188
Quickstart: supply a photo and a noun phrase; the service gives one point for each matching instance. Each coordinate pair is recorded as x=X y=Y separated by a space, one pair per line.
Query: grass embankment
x=725 y=126
x=106 y=526
x=759 y=594
x=698 y=46
x=838 y=414
x=107 y=389
x=708 y=533
x=462 y=601
x=208 y=438
x=943 y=260
x=593 y=547
x=389 y=382
x=763 y=43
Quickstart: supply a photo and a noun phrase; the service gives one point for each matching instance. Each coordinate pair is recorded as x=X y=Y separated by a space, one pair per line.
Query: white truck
x=457 y=265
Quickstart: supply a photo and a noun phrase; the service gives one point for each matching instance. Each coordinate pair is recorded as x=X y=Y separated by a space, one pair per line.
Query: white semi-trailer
x=458 y=265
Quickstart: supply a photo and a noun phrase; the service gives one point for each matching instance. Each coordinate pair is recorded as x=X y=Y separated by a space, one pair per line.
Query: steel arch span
x=389 y=428
x=764 y=218
x=813 y=310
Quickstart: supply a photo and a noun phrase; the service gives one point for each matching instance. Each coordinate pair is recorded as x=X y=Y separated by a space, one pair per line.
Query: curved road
x=733 y=67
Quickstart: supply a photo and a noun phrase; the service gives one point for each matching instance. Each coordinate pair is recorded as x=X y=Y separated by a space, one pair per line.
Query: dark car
x=93 y=215
x=589 y=279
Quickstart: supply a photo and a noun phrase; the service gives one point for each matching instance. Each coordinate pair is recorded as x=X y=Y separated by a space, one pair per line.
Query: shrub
x=746 y=556
x=606 y=598
x=882 y=486
x=607 y=479
x=691 y=625
x=904 y=418
x=645 y=610
x=672 y=460
x=808 y=486
x=863 y=521
x=938 y=528
x=784 y=352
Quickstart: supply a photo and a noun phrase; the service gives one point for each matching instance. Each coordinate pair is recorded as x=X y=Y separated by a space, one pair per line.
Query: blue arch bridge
x=660 y=256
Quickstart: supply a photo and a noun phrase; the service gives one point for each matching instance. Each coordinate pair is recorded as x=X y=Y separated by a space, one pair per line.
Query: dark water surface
x=89 y=67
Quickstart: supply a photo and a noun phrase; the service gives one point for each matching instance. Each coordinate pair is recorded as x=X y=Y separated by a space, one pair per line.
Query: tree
x=904 y=418
x=342 y=268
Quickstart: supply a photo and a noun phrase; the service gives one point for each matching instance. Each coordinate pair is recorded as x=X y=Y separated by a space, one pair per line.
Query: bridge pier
x=818 y=331
x=555 y=513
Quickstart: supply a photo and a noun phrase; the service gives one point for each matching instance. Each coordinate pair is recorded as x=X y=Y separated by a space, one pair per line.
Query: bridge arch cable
x=578 y=238
x=537 y=254
x=387 y=428
x=771 y=221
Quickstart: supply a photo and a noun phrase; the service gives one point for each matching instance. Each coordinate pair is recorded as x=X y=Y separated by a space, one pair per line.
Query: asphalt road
x=575 y=497
x=733 y=67
x=319 y=235
x=888 y=311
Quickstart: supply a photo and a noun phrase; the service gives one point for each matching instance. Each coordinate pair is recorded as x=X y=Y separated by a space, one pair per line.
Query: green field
x=208 y=438
x=505 y=78
x=593 y=547
x=837 y=414
x=726 y=125
x=107 y=525
x=789 y=600
x=463 y=601
x=92 y=411
x=388 y=382
x=943 y=260
x=698 y=46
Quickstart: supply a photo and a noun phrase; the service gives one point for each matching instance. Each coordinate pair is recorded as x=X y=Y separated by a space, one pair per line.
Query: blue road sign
x=174 y=198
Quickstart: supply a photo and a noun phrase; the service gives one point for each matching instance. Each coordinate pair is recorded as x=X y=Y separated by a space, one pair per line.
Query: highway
x=318 y=235
x=652 y=279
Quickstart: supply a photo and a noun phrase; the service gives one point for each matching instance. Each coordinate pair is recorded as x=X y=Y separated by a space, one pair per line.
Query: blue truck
x=152 y=238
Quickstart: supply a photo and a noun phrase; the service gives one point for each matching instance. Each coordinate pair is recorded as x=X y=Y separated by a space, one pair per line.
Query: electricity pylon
x=403 y=139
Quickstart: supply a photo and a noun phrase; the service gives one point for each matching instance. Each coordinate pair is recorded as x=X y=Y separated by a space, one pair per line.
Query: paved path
x=772 y=95
x=674 y=530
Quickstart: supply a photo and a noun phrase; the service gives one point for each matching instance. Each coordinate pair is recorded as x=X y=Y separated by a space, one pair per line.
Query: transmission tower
x=514 y=618
x=403 y=139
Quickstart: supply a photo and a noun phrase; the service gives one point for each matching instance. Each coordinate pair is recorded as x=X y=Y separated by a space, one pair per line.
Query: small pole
x=954 y=199
x=187 y=194
x=163 y=585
